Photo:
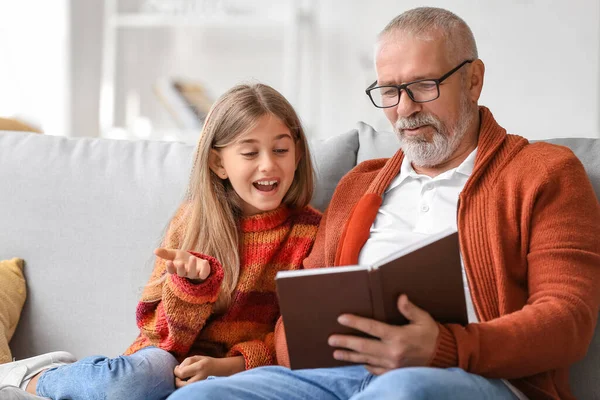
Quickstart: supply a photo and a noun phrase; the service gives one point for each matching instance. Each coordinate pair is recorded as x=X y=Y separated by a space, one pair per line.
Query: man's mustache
x=416 y=122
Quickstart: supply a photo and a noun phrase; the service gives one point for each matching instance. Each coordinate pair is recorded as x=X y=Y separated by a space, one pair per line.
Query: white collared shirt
x=415 y=206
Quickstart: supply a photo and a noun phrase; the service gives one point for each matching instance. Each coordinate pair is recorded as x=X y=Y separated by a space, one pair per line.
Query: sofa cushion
x=583 y=375
x=86 y=215
x=12 y=297
x=375 y=144
x=333 y=158
x=89 y=213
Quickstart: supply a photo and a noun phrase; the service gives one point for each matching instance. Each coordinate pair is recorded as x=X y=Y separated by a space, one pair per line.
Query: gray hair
x=428 y=23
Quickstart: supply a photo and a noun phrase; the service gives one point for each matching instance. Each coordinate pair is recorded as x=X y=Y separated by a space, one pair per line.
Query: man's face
x=430 y=133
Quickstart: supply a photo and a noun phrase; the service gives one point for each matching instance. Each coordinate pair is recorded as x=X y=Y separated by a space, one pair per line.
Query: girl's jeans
x=144 y=375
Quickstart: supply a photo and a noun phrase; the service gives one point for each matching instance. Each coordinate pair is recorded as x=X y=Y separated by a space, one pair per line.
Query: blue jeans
x=353 y=382
x=145 y=375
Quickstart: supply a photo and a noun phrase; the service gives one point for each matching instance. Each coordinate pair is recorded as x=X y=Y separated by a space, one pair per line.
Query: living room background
x=542 y=60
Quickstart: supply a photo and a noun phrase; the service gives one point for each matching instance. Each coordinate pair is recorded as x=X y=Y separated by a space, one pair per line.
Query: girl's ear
x=215 y=164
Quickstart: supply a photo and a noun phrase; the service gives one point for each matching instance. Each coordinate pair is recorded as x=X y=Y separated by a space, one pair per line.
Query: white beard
x=444 y=142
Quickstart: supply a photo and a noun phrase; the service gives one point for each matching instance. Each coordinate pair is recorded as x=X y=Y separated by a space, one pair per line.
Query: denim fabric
x=352 y=383
x=144 y=375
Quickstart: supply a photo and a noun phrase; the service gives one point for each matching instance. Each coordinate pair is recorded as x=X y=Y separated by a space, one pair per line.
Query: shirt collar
x=466 y=167
x=407 y=171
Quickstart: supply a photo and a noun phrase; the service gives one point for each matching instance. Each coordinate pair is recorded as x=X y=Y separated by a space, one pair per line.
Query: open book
x=310 y=300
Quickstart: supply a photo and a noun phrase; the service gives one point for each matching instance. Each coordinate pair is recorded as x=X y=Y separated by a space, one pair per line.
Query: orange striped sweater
x=529 y=229
x=176 y=314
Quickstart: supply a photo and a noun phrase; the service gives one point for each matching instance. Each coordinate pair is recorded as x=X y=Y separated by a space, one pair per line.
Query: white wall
x=542 y=60
x=86 y=45
x=35 y=64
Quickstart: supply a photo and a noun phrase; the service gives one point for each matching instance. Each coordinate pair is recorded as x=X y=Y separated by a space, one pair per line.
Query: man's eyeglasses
x=420 y=91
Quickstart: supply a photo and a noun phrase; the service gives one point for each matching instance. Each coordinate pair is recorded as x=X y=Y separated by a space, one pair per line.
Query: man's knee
x=207 y=389
x=410 y=383
x=251 y=384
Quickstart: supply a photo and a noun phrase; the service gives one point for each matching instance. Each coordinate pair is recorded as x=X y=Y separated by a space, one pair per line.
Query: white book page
x=319 y=271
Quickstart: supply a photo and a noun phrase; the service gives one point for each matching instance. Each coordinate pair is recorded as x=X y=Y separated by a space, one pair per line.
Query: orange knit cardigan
x=529 y=232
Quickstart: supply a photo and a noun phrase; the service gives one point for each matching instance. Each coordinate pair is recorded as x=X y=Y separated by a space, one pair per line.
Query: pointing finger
x=165 y=254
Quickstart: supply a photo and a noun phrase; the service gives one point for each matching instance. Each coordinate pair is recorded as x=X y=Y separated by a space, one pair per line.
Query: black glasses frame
x=405 y=87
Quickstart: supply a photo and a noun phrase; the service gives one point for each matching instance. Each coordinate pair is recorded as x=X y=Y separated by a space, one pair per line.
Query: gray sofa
x=85 y=214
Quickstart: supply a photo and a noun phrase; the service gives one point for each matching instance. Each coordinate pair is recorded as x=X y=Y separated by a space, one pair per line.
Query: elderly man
x=528 y=224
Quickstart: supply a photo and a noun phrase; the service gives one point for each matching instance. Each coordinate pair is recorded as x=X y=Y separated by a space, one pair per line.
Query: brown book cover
x=310 y=300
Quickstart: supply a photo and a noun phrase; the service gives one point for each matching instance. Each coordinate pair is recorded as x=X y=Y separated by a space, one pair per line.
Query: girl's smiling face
x=260 y=164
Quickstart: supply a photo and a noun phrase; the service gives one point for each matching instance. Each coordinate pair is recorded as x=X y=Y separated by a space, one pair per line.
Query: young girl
x=210 y=306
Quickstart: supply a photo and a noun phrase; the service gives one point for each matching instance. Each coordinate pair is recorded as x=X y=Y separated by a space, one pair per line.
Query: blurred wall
x=35 y=64
x=541 y=56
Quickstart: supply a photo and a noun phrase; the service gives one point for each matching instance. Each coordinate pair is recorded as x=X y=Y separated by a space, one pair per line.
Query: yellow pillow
x=10 y=124
x=12 y=298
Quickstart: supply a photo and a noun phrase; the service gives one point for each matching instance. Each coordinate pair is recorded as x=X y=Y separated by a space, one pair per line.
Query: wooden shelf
x=285 y=19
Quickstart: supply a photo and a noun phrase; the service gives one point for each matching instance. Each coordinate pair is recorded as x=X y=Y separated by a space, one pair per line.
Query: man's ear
x=476 y=81
x=215 y=163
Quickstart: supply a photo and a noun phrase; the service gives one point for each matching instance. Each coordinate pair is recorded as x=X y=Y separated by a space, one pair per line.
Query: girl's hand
x=184 y=264
x=198 y=368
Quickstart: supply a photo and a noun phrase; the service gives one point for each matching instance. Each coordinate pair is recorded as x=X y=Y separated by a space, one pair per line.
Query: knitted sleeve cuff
x=203 y=292
x=446 y=352
x=255 y=353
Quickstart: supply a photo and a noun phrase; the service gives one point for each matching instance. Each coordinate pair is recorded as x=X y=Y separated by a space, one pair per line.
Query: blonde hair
x=427 y=23
x=214 y=207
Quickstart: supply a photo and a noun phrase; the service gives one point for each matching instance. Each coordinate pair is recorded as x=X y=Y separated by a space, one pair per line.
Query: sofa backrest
x=85 y=214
